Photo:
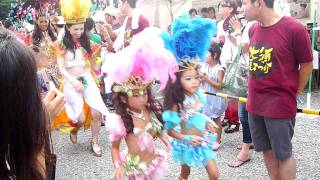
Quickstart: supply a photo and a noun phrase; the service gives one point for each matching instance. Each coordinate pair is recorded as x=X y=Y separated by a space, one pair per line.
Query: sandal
x=73 y=137
x=224 y=122
x=236 y=162
x=96 y=149
x=232 y=128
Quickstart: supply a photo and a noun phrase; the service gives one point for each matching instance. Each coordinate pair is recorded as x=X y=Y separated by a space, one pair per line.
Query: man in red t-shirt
x=280 y=63
x=133 y=24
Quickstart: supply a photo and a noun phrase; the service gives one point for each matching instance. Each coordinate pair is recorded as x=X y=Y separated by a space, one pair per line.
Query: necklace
x=137 y=115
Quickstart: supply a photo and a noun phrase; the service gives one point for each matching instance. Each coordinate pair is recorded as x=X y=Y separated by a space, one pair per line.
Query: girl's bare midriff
x=132 y=139
x=134 y=150
x=191 y=131
x=77 y=71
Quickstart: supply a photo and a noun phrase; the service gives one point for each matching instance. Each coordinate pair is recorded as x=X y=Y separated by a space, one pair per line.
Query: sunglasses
x=223 y=5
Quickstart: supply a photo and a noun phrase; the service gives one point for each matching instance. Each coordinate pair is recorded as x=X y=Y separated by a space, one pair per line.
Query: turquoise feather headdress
x=190 y=40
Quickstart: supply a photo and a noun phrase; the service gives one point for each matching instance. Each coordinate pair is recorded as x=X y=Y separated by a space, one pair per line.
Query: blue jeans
x=243 y=116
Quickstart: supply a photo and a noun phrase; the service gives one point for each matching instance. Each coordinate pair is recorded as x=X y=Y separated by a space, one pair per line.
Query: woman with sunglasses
x=227 y=10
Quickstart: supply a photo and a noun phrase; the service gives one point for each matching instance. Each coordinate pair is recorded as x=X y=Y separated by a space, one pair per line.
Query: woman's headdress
x=190 y=40
x=75 y=11
x=142 y=62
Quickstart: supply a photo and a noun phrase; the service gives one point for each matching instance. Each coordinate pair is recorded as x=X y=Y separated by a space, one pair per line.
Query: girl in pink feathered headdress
x=138 y=118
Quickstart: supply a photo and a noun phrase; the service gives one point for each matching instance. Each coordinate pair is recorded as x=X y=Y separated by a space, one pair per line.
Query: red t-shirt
x=129 y=33
x=275 y=54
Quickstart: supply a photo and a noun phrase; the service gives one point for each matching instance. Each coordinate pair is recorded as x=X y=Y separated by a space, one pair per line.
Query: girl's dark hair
x=215 y=49
x=89 y=24
x=174 y=93
x=193 y=10
x=132 y=3
x=84 y=40
x=121 y=108
x=231 y=4
x=37 y=35
x=23 y=131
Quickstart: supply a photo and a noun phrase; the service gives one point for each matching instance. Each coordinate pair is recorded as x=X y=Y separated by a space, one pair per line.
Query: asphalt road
x=77 y=162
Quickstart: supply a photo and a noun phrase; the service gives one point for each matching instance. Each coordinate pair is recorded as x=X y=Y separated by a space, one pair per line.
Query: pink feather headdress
x=143 y=61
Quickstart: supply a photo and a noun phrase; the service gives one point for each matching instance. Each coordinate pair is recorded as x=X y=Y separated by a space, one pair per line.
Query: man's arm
x=304 y=72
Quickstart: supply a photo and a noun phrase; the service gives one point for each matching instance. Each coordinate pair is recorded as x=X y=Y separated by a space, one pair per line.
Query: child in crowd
x=138 y=118
x=211 y=77
x=192 y=131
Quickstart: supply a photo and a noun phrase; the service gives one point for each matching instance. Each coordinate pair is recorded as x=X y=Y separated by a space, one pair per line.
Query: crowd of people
x=71 y=70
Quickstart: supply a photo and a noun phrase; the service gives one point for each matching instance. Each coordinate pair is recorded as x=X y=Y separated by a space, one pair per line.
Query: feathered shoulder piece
x=140 y=63
x=190 y=39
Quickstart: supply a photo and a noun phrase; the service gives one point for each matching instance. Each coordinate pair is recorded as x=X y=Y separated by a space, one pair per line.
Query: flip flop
x=236 y=162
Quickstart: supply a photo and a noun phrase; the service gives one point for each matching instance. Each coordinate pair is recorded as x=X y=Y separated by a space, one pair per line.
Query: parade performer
x=193 y=132
x=76 y=56
x=138 y=116
x=42 y=38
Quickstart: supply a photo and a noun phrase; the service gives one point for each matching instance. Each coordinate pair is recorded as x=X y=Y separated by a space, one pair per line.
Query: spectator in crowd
x=90 y=25
x=228 y=9
x=24 y=141
x=134 y=23
x=212 y=13
x=280 y=64
x=111 y=16
x=243 y=39
x=204 y=12
x=211 y=77
x=192 y=13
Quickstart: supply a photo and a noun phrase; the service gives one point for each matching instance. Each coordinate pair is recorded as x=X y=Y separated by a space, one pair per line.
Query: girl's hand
x=235 y=24
x=210 y=128
x=204 y=78
x=118 y=174
x=193 y=139
x=77 y=85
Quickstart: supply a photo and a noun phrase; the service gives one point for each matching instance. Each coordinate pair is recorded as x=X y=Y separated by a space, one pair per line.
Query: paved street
x=77 y=162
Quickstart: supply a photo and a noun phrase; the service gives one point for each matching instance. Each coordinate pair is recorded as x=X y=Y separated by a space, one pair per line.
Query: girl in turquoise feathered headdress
x=193 y=132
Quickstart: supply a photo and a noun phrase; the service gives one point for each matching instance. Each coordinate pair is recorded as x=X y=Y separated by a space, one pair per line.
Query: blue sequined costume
x=184 y=153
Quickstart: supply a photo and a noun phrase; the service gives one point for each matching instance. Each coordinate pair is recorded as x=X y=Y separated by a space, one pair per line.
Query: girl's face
x=138 y=101
x=190 y=81
x=224 y=9
x=211 y=57
x=43 y=23
x=76 y=31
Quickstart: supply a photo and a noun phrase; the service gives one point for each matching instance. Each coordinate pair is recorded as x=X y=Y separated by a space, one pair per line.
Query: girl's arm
x=115 y=154
x=75 y=83
x=164 y=138
x=64 y=72
x=191 y=139
x=218 y=84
